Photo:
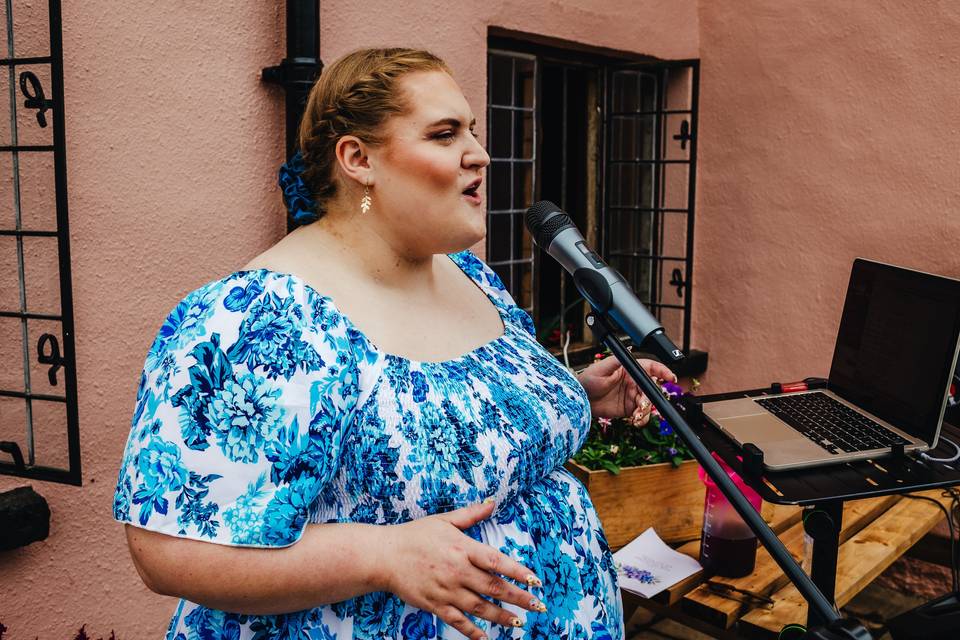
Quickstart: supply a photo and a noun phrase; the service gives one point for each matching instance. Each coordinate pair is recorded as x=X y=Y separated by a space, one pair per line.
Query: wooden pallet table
x=874 y=533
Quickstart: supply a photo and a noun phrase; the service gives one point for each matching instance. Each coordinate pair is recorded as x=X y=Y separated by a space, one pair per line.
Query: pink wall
x=826 y=132
x=173 y=145
x=457 y=31
x=822 y=129
x=172 y=148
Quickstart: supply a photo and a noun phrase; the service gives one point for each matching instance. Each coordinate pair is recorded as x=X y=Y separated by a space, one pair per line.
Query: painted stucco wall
x=172 y=144
x=828 y=130
x=172 y=150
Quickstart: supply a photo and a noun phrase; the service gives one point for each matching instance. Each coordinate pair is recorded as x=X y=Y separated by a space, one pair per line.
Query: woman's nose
x=476 y=156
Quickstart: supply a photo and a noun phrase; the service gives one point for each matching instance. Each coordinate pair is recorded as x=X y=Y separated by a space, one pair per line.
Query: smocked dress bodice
x=262 y=408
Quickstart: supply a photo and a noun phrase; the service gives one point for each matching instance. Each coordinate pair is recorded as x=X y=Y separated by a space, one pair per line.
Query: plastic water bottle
x=728 y=547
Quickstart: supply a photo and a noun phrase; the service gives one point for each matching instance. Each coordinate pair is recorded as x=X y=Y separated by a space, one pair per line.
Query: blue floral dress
x=261 y=408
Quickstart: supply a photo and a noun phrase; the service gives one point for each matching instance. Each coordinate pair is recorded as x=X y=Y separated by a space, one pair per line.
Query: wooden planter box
x=667 y=498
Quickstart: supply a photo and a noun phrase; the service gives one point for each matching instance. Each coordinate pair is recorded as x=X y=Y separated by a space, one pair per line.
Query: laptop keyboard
x=831 y=424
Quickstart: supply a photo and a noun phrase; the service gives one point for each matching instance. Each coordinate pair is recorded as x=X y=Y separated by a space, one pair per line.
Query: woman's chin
x=479 y=233
x=475 y=227
x=467 y=240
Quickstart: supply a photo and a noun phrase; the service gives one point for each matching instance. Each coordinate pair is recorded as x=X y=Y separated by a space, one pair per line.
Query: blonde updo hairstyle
x=354 y=96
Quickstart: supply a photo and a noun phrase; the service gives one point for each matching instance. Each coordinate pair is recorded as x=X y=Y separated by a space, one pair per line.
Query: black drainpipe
x=297 y=72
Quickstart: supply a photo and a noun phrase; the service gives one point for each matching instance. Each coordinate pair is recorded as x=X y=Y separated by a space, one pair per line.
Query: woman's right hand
x=432 y=565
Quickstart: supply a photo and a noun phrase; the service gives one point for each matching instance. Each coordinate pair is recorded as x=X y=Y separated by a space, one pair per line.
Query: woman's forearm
x=330 y=563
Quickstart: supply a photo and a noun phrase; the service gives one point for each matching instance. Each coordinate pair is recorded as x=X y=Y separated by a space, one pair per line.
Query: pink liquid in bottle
x=728 y=547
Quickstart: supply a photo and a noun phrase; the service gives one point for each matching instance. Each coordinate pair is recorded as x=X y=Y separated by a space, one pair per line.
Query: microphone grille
x=545 y=220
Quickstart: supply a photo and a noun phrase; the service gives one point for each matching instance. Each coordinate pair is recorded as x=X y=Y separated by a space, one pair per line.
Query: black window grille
x=614 y=144
x=650 y=162
x=39 y=435
x=511 y=112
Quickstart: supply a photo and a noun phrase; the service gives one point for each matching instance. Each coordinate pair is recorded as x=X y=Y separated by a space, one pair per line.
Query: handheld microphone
x=603 y=286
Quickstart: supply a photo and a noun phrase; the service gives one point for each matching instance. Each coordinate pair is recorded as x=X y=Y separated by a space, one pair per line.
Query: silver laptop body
x=894 y=360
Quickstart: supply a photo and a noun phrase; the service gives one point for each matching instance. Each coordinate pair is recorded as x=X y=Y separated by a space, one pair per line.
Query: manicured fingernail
x=536 y=605
x=489 y=500
x=534 y=581
x=517 y=622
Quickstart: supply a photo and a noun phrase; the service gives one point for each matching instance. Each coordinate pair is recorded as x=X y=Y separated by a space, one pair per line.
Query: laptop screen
x=897 y=344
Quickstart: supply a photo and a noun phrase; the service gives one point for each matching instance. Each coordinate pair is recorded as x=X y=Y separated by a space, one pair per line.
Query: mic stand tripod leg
x=822 y=523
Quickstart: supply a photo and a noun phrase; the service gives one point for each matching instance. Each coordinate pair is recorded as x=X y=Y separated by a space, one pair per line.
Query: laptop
x=892 y=366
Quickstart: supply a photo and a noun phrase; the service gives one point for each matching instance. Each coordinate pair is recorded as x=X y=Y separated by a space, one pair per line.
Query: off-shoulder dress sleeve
x=241 y=412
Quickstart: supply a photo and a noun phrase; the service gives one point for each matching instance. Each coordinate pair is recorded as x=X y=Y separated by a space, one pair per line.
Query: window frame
x=604 y=63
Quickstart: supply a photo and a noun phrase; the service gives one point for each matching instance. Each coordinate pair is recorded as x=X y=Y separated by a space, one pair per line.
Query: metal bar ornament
x=54 y=359
x=36 y=99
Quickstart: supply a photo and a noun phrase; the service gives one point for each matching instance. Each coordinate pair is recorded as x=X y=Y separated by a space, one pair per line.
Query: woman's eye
x=448 y=136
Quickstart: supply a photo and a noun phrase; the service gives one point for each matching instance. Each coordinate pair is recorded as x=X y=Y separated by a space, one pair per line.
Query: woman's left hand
x=614 y=394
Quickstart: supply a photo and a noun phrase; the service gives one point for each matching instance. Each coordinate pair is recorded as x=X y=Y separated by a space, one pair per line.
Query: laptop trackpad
x=759 y=429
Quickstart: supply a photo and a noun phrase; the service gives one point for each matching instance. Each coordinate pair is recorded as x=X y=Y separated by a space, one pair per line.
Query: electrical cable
x=953 y=516
x=950 y=515
x=566 y=359
x=953 y=563
x=953 y=458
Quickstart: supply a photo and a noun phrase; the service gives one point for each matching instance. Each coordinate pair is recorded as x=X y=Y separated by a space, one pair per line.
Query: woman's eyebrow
x=453 y=122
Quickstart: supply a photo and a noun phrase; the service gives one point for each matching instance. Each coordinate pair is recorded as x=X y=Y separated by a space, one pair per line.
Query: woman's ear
x=353 y=160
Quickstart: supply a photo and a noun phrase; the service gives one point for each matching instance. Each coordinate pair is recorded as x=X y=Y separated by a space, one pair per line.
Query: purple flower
x=665 y=428
x=673 y=389
x=672 y=451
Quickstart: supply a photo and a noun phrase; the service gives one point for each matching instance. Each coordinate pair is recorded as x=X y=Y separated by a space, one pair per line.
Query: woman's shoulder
x=240 y=292
x=243 y=397
x=254 y=307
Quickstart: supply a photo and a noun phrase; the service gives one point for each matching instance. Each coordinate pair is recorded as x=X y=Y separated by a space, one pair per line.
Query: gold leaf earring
x=365 y=200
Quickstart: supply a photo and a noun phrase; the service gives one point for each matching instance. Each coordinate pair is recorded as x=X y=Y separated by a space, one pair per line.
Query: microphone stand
x=835 y=627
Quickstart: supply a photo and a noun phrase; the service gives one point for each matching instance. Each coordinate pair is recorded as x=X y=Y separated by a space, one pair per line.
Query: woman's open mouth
x=472 y=192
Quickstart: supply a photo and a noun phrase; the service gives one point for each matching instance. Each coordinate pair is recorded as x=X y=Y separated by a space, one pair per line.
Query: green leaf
x=609 y=466
x=653 y=438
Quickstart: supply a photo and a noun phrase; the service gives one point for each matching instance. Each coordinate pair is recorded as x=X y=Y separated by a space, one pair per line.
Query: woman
x=369 y=377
